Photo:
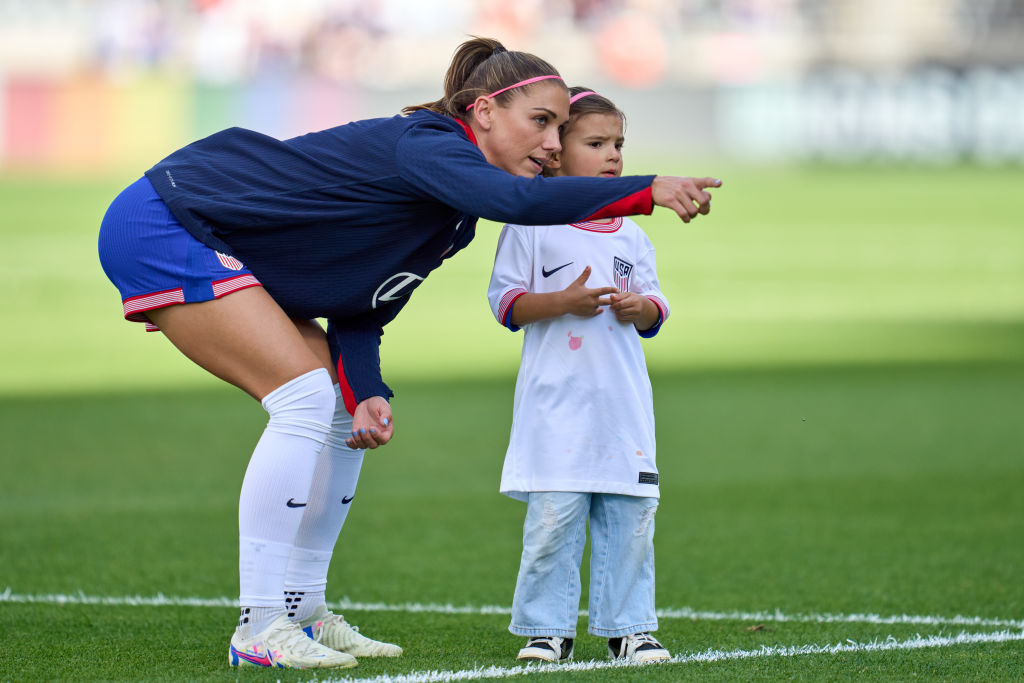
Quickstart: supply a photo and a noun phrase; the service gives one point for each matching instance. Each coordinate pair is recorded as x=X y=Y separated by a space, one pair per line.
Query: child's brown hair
x=583 y=101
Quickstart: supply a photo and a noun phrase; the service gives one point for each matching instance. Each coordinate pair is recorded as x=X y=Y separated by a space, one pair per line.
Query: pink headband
x=517 y=85
x=572 y=100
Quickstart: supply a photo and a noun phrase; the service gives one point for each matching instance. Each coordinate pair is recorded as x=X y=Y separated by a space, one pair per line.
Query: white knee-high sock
x=275 y=489
x=330 y=499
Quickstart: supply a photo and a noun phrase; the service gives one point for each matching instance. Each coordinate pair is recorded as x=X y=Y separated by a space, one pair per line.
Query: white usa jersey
x=583 y=417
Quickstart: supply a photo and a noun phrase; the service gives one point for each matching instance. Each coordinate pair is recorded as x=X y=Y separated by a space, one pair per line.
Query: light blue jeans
x=547 y=598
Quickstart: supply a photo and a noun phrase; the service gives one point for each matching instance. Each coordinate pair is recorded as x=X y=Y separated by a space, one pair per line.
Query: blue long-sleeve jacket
x=344 y=223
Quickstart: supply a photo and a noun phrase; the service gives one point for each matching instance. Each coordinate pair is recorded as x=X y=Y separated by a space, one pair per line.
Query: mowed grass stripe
x=818 y=276
x=161 y=600
x=708 y=656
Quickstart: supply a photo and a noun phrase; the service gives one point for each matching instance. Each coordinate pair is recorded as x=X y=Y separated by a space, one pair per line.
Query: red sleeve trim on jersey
x=662 y=309
x=469 y=132
x=347 y=395
x=641 y=202
x=662 y=314
x=505 y=307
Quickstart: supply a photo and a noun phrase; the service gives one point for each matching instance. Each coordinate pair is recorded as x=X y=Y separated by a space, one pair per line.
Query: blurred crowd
x=399 y=43
x=92 y=84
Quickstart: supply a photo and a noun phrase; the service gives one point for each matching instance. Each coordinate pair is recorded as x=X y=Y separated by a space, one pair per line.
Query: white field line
x=161 y=600
x=707 y=656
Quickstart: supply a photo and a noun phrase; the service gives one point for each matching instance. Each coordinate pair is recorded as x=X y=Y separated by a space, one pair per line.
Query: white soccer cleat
x=330 y=629
x=285 y=646
x=638 y=647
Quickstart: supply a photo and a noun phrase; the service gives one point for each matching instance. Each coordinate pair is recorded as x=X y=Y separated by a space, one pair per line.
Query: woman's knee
x=303 y=406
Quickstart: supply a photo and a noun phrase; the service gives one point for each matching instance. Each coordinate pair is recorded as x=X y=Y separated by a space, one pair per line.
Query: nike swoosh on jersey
x=292 y=504
x=548 y=273
x=346 y=500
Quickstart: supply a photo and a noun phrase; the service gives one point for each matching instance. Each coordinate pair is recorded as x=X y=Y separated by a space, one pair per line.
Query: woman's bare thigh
x=243 y=338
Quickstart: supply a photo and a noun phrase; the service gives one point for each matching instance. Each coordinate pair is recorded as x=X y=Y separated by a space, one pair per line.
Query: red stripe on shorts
x=233 y=284
x=135 y=306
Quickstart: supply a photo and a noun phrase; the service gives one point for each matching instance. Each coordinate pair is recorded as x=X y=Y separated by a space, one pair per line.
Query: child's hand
x=578 y=299
x=627 y=306
x=630 y=307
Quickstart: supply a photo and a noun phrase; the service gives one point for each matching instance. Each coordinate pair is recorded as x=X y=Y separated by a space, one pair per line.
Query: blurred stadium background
x=93 y=85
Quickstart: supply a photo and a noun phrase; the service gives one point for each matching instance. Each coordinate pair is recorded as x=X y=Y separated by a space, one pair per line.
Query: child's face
x=592 y=147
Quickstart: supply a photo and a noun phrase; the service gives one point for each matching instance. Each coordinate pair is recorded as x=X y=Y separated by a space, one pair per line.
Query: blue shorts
x=155 y=262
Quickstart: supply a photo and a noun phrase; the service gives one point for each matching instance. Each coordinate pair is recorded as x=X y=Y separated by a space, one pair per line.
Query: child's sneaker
x=547 y=649
x=285 y=646
x=332 y=630
x=639 y=647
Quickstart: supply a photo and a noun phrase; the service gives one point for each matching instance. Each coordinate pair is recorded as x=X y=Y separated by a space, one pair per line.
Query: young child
x=582 y=441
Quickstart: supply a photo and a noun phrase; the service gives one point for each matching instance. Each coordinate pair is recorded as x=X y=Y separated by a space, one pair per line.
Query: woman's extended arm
x=443 y=164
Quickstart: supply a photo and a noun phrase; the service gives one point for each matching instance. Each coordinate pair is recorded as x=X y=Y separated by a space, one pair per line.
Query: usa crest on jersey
x=622 y=272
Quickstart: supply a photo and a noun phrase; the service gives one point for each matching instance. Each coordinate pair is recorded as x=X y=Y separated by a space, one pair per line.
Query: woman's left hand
x=372 y=425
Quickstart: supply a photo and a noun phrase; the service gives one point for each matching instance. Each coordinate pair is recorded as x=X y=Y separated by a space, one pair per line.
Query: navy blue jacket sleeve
x=355 y=352
x=444 y=164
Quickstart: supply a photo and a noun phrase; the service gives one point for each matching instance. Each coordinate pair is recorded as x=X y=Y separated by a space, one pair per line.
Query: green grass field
x=838 y=396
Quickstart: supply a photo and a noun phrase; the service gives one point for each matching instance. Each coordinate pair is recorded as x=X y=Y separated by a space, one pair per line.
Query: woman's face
x=591 y=147
x=521 y=137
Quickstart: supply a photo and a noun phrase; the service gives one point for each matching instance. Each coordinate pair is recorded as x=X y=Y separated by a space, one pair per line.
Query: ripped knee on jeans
x=646 y=519
x=549 y=520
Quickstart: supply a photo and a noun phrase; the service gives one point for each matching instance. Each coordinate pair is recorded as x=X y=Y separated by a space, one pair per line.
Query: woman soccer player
x=582 y=443
x=232 y=245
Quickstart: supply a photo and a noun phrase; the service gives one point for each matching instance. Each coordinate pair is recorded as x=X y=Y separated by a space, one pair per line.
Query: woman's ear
x=483 y=112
